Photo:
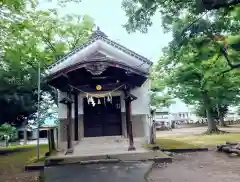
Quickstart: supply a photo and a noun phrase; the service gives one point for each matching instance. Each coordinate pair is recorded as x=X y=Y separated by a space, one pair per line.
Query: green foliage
x=159 y=97
x=7 y=130
x=194 y=67
x=30 y=37
x=48 y=110
x=180 y=16
x=195 y=75
x=161 y=100
x=139 y=12
x=217 y=112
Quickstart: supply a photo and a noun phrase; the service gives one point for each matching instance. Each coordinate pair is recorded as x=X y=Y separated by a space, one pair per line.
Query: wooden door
x=102 y=119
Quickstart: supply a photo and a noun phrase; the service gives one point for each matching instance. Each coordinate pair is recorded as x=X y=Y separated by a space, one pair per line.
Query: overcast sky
x=110 y=17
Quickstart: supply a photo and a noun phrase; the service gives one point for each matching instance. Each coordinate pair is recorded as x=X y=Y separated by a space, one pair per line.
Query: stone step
x=156 y=156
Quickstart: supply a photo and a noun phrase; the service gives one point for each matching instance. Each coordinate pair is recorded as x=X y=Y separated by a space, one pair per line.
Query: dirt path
x=197 y=167
x=194 y=131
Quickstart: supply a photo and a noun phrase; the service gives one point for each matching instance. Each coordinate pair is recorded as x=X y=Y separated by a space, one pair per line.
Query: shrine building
x=103 y=90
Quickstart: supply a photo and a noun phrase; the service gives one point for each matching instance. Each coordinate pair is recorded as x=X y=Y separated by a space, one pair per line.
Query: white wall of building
x=139 y=106
x=180 y=115
x=162 y=115
x=142 y=104
x=232 y=114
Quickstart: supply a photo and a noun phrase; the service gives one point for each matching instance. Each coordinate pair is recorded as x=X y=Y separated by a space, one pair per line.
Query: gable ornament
x=96 y=68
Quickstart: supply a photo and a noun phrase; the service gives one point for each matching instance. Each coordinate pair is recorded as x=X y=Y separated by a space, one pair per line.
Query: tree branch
x=49 y=44
x=226 y=71
x=73 y=45
x=193 y=22
x=223 y=50
x=217 y=4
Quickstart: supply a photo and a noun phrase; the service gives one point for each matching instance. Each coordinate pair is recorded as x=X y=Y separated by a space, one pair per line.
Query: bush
x=8 y=132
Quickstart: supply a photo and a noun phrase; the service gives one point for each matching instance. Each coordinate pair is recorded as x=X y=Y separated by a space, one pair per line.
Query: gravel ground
x=197 y=167
x=194 y=131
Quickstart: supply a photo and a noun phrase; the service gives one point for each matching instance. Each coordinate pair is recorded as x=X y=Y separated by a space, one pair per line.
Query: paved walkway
x=120 y=172
x=188 y=167
x=92 y=150
x=106 y=146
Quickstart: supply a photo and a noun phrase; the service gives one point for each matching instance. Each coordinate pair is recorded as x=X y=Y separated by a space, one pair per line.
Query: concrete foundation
x=138 y=123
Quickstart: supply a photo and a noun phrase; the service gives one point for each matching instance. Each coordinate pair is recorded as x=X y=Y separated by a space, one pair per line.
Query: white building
x=232 y=114
x=103 y=91
x=178 y=112
x=32 y=132
x=163 y=116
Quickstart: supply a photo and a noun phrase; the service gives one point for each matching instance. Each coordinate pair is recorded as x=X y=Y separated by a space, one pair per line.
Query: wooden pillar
x=57 y=137
x=49 y=142
x=69 y=128
x=68 y=102
x=76 y=133
x=128 y=100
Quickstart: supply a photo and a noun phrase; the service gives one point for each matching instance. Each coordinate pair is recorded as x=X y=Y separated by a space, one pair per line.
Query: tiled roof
x=99 y=35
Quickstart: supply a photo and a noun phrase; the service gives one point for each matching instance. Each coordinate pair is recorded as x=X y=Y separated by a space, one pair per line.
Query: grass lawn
x=12 y=164
x=174 y=142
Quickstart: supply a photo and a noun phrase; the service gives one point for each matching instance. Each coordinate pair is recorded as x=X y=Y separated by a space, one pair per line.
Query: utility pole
x=38 y=112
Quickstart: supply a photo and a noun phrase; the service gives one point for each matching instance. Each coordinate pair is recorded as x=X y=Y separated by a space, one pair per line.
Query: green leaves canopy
x=30 y=37
x=205 y=46
x=139 y=12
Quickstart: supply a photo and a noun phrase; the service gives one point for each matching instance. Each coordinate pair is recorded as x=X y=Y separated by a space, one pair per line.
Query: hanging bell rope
x=90 y=96
x=97 y=95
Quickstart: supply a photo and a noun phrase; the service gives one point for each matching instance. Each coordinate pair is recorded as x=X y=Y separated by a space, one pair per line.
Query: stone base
x=69 y=151
x=131 y=148
x=156 y=156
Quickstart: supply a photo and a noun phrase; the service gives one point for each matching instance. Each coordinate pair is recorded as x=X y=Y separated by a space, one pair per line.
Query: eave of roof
x=98 y=35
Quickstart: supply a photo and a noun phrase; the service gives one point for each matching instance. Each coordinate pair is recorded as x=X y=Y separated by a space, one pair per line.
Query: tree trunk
x=153 y=134
x=220 y=117
x=212 y=125
x=221 y=121
x=25 y=133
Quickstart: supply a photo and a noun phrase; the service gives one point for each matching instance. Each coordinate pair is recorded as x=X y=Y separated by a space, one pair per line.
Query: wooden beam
x=69 y=129
x=81 y=65
x=64 y=75
x=127 y=116
x=105 y=87
x=66 y=100
x=128 y=101
x=76 y=137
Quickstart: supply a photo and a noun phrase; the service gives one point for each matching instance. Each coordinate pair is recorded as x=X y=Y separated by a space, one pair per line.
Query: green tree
x=192 y=70
x=226 y=17
x=37 y=37
x=7 y=130
x=159 y=97
x=140 y=12
x=48 y=110
x=218 y=112
x=205 y=43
